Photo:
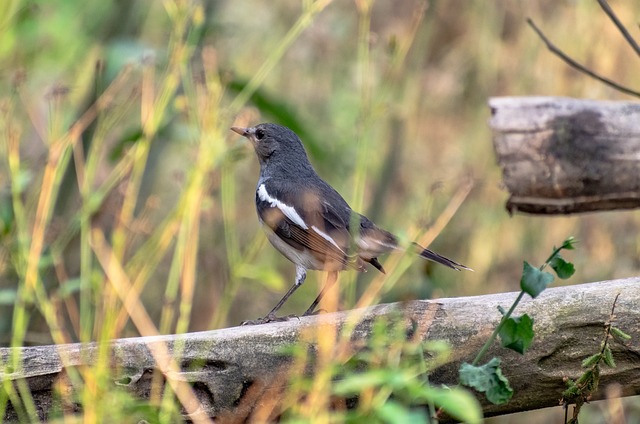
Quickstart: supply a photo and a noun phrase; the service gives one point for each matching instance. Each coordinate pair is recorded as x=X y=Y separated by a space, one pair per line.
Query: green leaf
x=608 y=357
x=356 y=383
x=569 y=243
x=562 y=268
x=587 y=378
x=487 y=379
x=572 y=390
x=395 y=412
x=619 y=334
x=517 y=333
x=457 y=402
x=534 y=281
x=591 y=360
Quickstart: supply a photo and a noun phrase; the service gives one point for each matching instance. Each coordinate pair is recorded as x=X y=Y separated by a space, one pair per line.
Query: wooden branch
x=231 y=369
x=561 y=155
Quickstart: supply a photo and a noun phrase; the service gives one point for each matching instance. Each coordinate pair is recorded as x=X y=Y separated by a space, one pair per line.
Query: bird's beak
x=242 y=131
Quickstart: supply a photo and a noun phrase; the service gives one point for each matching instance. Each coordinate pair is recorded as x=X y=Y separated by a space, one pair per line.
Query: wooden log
x=226 y=367
x=562 y=155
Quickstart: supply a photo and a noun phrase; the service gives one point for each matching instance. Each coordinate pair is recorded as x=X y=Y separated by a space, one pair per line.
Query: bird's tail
x=435 y=257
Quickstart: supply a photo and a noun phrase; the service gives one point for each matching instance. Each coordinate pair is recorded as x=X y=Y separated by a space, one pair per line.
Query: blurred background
x=119 y=112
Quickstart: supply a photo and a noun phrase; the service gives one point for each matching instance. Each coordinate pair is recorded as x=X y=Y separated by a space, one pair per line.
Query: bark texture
x=562 y=155
x=231 y=369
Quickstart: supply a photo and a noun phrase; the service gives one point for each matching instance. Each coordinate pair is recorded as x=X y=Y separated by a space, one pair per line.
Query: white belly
x=303 y=258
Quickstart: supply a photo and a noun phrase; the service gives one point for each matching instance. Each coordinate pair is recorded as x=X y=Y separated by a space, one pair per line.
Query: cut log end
x=565 y=156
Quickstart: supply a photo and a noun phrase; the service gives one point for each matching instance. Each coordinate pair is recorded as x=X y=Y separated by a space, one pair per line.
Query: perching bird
x=307 y=220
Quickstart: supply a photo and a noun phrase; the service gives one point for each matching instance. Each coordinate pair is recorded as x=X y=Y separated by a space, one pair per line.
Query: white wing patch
x=327 y=237
x=288 y=211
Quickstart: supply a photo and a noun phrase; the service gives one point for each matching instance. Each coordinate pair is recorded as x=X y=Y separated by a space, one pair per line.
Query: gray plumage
x=306 y=219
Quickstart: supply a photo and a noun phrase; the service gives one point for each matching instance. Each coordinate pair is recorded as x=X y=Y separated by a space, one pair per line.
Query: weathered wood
x=561 y=155
x=224 y=366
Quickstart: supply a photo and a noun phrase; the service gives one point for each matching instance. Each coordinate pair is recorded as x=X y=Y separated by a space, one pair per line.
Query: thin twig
x=578 y=66
x=613 y=307
x=607 y=327
x=607 y=9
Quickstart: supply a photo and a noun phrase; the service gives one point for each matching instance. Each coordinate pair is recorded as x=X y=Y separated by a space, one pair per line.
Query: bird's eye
x=259 y=134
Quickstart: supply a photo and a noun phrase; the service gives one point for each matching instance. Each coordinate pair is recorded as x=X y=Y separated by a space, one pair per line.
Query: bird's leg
x=331 y=280
x=301 y=274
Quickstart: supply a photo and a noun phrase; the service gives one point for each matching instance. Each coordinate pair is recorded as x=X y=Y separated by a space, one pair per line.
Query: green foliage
x=409 y=392
x=487 y=379
x=456 y=402
x=591 y=360
x=619 y=334
x=517 y=333
x=562 y=268
x=579 y=391
x=534 y=281
x=568 y=244
x=388 y=378
x=607 y=356
x=123 y=408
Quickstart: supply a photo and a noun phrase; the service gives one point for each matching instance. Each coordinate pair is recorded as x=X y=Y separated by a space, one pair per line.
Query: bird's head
x=274 y=144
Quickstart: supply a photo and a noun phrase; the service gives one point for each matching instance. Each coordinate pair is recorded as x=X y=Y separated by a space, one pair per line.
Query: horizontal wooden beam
x=224 y=366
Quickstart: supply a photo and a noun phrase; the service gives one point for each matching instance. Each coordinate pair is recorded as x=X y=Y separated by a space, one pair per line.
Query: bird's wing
x=306 y=221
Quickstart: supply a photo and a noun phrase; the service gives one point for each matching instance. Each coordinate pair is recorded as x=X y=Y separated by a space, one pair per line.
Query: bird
x=308 y=221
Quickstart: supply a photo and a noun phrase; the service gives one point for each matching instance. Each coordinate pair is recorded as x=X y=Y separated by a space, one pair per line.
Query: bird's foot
x=267 y=319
